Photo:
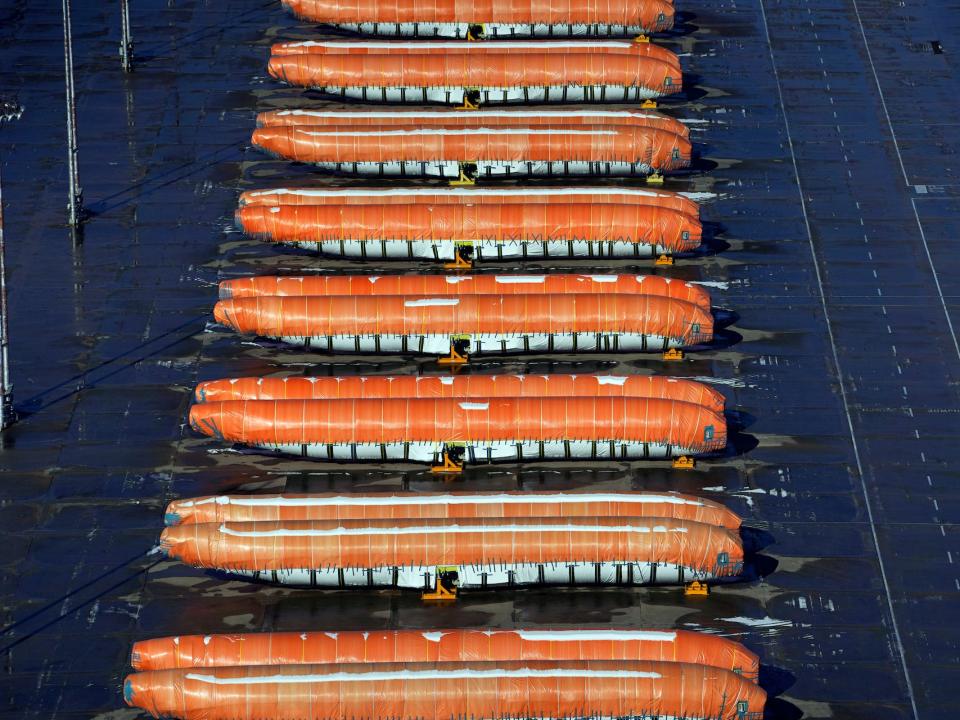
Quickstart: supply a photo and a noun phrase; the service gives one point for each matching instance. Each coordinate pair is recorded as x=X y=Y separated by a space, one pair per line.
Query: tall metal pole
x=126 y=42
x=75 y=204
x=7 y=415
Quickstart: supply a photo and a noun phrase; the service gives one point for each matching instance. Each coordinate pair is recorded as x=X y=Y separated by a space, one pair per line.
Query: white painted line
x=936 y=278
x=843 y=388
x=893 y=134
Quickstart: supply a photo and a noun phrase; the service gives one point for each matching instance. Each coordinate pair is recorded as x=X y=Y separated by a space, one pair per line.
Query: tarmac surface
x=826 y=130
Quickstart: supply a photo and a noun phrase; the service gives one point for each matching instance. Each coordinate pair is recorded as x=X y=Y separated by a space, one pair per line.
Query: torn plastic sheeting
x=322 y=422
x=460 y=386
x=429 y=543
x=354 y=285
x=649 y=15
x=413 y=646
x=327 y=506
x=508 y=222
x=660 y=150
x=430 y=692
x=474 y=119
x=470 y=196
x=680 y=323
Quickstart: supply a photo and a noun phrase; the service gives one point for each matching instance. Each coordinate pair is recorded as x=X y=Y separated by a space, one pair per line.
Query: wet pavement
x=825 y=129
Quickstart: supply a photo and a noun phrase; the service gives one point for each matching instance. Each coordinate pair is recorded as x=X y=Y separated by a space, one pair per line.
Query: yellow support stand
x=475 y=33
x=449 y=466
x=441 y=592
x=697 y=588
x=468 y=104
x=463 y=179
x=664 y=260
x=459 y=263
x=655 y=179
x=673 y=354
x=455 y=357
x=684 y=462
x=642 y=39
x=649 y=104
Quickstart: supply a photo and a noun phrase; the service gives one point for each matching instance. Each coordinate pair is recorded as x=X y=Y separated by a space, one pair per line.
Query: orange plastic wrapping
x=651 y=15
x=506 y=223
x=460 y=285
x=432 y=691
x=279 y=423
x=471 y=315
x=643 y=67
x=478 y=51
x=476 y=119
x=661 y=150
x=276 y=197
x=361 y=506
x=441 y=542
x=418 y=646
x=459 y=386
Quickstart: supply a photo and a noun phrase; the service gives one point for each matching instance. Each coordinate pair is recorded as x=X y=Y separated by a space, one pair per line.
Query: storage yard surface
x=826 y=131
